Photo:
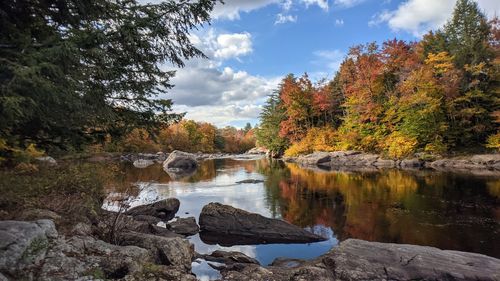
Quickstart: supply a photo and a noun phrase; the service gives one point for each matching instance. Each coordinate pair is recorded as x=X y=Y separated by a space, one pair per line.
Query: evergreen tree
x=72 y=71
x=467 y=34
x=270 y=119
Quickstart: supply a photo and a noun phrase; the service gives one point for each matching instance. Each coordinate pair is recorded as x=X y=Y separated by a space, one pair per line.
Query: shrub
x=397 y=145
x=494 y=141
x=317 y=139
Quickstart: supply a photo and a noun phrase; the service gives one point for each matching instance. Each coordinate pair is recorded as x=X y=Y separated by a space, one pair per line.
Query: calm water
x=445 y=210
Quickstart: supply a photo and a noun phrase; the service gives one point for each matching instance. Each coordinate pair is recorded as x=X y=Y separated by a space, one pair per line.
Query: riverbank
x=487 y=164
x=132 y=246
x=141 y=250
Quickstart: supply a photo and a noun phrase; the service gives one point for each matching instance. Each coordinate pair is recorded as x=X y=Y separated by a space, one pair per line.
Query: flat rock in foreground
x=362 y=260
x=358 y=259
x=223 y=221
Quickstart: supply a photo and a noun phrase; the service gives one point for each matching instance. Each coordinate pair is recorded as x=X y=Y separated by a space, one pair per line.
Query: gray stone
x=83 y=229
x=384 y=163
x=229 y=257
x=257 y=150
x=179 y=161
x=486 y=159
x=316 y=158
x=362 y=260
x=411 y=163
x=249 y=181
x=184 y=226
x=164 y=209
x=24 y=244
x=142 y=163
x=167 y=251
x=47 y=160
x=85 y=258
x=227 y=226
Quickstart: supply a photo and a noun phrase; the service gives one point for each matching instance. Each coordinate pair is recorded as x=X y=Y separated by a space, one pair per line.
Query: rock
x=411 y=163
x=37 y=214
x=24 y=244
x=147 y=218
x=179 y=161
x=85 y=258
x=184 y=226
x=287 y=263
x=384 y=163
x=363 y=260
x=167 y=251
x=228 y=225
x=142 y=163
x=257 y=150
x=486 y=159
x=162 y=231
x=316 y=158
x=82 y=229
x=249 y=181
x=164 y=209
x=47 y=160
x=229 y=257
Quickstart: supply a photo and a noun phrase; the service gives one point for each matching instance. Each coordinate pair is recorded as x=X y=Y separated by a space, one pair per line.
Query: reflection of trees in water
x=444 y=210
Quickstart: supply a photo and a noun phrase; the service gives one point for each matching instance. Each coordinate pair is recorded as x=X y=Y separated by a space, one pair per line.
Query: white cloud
x=287 y=5
x=419 y=16
x=280 y=18
x=210 y=92
x=339 y=22
x=231 y=8
x=233 y=45
x=323 y=4
x=221 y=115
x=347 y=3
x=331 y=59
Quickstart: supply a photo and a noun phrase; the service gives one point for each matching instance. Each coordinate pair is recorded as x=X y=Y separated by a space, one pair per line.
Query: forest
x=438 y=95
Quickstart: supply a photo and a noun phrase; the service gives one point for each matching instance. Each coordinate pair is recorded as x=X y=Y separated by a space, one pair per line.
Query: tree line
x=186 y=135
x=437 y=95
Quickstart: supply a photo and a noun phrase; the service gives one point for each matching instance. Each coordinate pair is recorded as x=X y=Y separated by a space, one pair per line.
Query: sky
x=253 y=44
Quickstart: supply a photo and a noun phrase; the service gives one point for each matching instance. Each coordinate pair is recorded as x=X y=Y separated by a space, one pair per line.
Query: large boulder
x=179 y=161
x=316 y=158
x=24 y=244
x=86 y=258
x=164 y=209
x=362 y=260
x=172 y=251
x=184 y=226
x=227 y=225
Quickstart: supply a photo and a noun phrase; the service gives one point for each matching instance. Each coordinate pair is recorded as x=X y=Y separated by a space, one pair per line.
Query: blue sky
x=251 y=45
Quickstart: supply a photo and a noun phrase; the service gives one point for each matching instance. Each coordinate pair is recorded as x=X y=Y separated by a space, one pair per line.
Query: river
x=445 y=210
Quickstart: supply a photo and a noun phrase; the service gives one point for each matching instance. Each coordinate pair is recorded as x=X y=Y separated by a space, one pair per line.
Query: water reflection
x=449 y=211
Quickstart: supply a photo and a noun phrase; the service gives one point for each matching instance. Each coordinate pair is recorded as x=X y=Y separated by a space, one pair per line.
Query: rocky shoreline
x=133 y=246
x=488 y=164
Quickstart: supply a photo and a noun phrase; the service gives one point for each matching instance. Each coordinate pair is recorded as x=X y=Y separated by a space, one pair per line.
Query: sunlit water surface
x=444 y=210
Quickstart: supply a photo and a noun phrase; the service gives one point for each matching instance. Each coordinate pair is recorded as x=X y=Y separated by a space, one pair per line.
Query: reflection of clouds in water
x=203 y=271
x=203 y=248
